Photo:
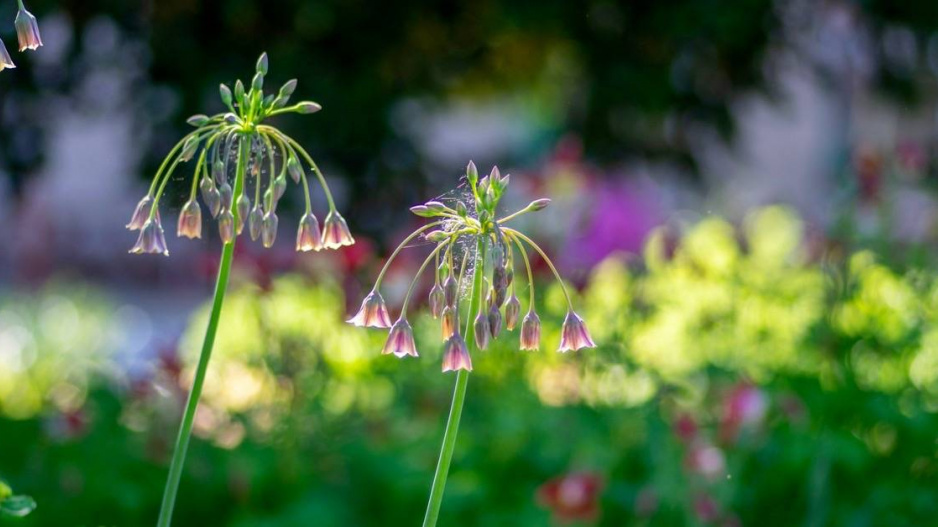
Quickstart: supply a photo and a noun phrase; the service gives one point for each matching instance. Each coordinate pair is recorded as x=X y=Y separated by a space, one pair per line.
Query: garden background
x=744 y=194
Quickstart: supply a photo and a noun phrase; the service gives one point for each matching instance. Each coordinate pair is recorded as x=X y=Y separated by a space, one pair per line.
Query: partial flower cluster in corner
x=27 y=33
x=468 y=236
x=236 y=149
x=12 y=505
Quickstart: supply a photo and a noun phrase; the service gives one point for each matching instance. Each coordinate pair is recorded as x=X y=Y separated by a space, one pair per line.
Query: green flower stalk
x=469 y=226
x=234 y=153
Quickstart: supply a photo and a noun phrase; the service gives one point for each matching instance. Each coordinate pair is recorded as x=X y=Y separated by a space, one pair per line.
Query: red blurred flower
x=685 y=427
x=572 y=497
x=705 y=508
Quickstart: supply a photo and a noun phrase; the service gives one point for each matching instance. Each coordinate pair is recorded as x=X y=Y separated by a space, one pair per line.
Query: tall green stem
x=221 y=284
x=455 y=411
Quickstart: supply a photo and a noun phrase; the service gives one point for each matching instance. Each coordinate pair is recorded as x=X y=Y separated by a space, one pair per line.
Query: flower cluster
x=27 y=33
x=470 y=228
x=231 y=150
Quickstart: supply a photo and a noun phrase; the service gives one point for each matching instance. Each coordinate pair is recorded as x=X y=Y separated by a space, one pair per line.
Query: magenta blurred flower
x=573 y=497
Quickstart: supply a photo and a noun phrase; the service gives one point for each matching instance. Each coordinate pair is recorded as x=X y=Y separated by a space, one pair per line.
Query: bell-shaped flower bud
x=448 y=321
x=218 y=172
x=512 y=312
x=373 y=313
x=400 y=340
x=262 y=64
x=495 y=321
x=226 y=226
x=255 y=221
x=210 y=196
x=483 y=332
x=244 y=209
x=308 y=107
x=279 y=187
x=151 y=239
x=27 y=30
x=269 y=229
x=141 y=213
x=574 y=335
x=308 y=236
x=190 y=220
x=226 y=195
x=225 y=92
x=531 y=332
x=198 y=120
x=456 y=354
x=6 y=62
x=295 y=169
x=437 y=301
x=335 y=233
x=472 y=173
x=450 y=290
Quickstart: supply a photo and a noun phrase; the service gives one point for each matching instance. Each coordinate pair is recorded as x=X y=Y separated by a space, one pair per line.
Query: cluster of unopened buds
x=232 y=150
x=469 y=238
x=27 y=33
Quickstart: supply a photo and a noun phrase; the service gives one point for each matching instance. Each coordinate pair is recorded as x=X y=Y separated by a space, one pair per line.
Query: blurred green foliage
x=742 y=376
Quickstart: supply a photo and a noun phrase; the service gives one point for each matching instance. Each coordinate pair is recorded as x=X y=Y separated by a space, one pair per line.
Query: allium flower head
x=574 y=334
x=235 y=155
x=400 y=340
x=373 y=313
x=471 y=241
x=27 y=30
x=456 y=354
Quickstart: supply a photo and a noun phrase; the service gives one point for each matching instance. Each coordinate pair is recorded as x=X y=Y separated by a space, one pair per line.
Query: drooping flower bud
x=483 y=331
x=226 y=195
x=5 y=61
x=308 y=236
x=141 y=213
x=499 y=285
x=190 y=220
x=189 y=149
x=210 y=196
x=531 y=332
x=295 y=169
x=456 y=354
x=373 y=312
x=335 y=232
x=244 y=209
x=27 y=30
x=218 y=172
x=269 y=229
x=400 y=340
x=226 y=226
x=512 y=311
x=279 y=186
x=151 y=239
x=437 y=300
x=495 y=321
x=450 y=290
x=448 y=321
x=574 y=334
x=256 y=221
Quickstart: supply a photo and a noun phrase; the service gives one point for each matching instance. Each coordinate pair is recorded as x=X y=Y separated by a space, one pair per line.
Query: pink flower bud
x=190 y=220
x=437 y=300
x=531 y=332
x=574 y=334
x=448 y=321
x=456 y=354
x=308 y=236
x=483 y=331
x=450 y=290
x=269 y=229
x=255 y=221
x=141 y=213
x=308 y=107
x=495 y=321
x=512 y=312
x=210 y=196
x=27 y=30
x=226 y=226
x=335 y=232
x=400 y=340
x=373 y=313
x=244 y=209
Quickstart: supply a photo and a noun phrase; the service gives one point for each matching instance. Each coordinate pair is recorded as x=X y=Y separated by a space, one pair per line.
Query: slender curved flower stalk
x=460 y=226
x=233 y=148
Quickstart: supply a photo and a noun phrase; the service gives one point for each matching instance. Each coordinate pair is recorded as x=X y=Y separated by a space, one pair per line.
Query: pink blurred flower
x=572 y=497
x=707 y=461
x=744 y=407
